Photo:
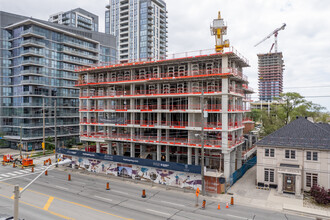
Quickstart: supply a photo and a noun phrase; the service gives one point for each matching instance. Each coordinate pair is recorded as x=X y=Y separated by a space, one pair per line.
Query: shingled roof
x=300 y=133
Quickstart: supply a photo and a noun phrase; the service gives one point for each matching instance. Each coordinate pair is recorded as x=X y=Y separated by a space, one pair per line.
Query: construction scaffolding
x=153 y=109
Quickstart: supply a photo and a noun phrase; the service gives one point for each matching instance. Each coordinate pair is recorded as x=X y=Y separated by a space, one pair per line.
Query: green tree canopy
x=289 y=106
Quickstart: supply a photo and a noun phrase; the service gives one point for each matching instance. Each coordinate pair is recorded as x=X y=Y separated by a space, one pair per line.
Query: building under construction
x=153 y=110
x=271 y=68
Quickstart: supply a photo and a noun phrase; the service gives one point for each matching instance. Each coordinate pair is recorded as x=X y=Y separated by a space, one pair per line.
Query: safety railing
x=190 y=54
x=159 y=76
x=162 y=140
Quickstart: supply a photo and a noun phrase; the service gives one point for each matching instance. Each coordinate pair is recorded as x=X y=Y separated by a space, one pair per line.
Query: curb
x=304 y=212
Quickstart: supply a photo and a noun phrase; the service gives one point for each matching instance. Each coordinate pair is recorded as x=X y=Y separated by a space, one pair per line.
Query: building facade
x=153 y=110
x=77 y=18
x=270 y=67
x=38 y=62
x=295 y=157
x=140 y=27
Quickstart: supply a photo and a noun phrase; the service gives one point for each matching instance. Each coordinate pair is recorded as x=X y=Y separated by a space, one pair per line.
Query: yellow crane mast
x=219 y=29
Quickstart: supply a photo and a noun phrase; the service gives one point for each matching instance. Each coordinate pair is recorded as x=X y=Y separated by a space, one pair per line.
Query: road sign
x=197 y=192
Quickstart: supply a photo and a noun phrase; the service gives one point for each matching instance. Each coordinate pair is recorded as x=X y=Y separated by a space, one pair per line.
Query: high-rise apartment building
x=154 y=110
x=38 y=60
x=271 y=68
x=140 y=27
x=77 y=18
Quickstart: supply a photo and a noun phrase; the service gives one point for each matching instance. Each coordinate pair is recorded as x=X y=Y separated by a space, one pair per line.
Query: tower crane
x=275 y=33
x=219 y=29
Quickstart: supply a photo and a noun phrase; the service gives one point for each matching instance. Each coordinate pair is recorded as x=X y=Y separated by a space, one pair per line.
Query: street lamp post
x=18 y=193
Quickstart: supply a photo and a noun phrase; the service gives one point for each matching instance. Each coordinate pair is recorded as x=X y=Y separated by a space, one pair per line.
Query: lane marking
x=120 y=192
x=103 y=198
x=53 y=213
x=151 y=210
x=74 y=203
x=172 y=203
x=50 y=200
x=235 y=216
x=60 y=187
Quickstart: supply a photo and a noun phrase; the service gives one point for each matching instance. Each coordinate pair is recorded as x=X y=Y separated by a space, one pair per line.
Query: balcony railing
x=209 y=143
x=161 y=76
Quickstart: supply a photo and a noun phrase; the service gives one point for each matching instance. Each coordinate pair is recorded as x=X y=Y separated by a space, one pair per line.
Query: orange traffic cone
x=219 y=206
x=108 y=187
x=227 y=205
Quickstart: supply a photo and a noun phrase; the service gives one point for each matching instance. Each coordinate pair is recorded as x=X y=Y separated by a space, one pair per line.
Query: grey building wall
x=37 y=62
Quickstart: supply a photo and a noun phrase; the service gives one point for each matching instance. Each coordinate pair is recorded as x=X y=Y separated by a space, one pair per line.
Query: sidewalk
x=245 y=193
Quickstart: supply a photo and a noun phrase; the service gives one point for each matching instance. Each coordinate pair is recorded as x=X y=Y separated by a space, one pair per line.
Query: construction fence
x=241 y=171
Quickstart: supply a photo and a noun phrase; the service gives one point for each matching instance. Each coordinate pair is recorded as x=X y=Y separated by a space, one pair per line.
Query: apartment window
x=290 y=154
x=311 y=179
x=311 y=155
x=269 y=152
x=269 y=175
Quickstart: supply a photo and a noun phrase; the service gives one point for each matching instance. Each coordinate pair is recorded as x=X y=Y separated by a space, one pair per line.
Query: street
x=86 y=197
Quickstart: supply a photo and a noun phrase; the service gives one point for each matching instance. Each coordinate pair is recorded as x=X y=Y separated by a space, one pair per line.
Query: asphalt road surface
x=85 y=197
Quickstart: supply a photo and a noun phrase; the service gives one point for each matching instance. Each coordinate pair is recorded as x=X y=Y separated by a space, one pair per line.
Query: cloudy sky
x=305 y=42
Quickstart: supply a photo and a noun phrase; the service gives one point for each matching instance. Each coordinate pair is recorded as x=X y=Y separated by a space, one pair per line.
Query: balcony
x=74 y=44
x=78 y=53
x=36 y=82
x=75 y=61
x=33 y=62
x=33 y=42
x=31 y=32
x=33 y=52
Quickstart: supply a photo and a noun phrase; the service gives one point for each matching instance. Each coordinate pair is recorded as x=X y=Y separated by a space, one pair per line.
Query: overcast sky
x=305 y=42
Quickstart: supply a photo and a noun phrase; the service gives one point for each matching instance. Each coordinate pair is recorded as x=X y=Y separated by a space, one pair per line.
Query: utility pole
x=202 y=139
x=55 y=125
x=43 y=126
x=20 y=143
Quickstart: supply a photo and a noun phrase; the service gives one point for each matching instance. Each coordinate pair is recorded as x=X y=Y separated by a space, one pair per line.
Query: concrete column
x=226 y=159
x=98 y=147
x=132 y=149
x=250 y=141
x=196 y=156
x=159 y=152
x=224 y=115
x=189 y=155
x=207 y=159
x=239 y=156
x=119 y=149
x=298 y=185
x=177 y=155
x=109 y=148
x=142 y=150
x=279 y=182
x=232 y=161
x=167 y=151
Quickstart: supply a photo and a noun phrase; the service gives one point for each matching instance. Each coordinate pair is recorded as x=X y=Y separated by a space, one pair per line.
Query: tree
x=50 y=143
x=256 y=115
x=289 y=106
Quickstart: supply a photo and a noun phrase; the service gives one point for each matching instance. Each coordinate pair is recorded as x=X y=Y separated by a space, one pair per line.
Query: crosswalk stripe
x=12 y=174
x=25 y=171
x=4 y=175
x=17 y=172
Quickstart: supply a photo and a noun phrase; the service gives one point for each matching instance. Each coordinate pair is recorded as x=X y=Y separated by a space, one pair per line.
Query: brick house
x=295 y=157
